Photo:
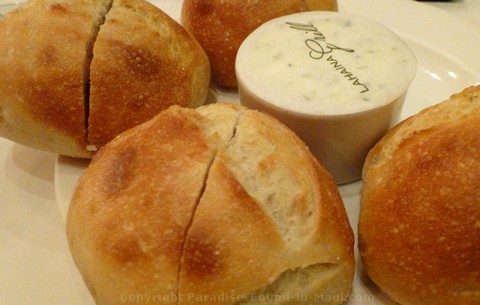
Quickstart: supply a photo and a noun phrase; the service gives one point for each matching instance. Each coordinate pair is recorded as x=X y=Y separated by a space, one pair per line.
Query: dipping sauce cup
x=337 y=80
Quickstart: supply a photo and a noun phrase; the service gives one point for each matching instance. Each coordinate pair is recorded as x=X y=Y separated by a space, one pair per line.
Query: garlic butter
x=325 y=63
x=327 y=74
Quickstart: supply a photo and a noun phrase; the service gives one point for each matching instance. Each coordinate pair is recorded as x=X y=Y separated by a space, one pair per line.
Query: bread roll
x=76 y=73
x=218 y=205
x=419 y=227
x=221 y=26
x=159 y=63
x=43 y=53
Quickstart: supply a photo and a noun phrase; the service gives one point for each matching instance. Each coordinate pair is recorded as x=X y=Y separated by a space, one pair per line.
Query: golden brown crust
x=450 y=111
x=126 y=226
x=54 y=97
x=221 y=26
x=160 y=64
x=230 y=238
x=42 y=59
x=240 y=196
x=239 y=216
x=321 y=5
x=420 y=219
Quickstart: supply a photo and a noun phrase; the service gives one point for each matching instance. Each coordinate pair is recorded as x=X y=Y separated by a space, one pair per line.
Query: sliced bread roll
x=221 y=26
x=419 y=227
x=143 y=62
x=43 y=70
x=129 y=215
x=74 y=74
x=219 y=205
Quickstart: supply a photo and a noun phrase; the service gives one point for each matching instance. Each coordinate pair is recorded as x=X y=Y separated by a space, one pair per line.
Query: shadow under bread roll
x=419 y=227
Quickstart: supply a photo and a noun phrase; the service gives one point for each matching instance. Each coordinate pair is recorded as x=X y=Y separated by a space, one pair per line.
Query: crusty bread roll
x=73 y=74
x=419 y=227
x=221 y=26
x=218 y=205
x=42 y=73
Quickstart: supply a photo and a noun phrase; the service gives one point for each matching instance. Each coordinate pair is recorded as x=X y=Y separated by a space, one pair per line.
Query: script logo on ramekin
x=319 y=47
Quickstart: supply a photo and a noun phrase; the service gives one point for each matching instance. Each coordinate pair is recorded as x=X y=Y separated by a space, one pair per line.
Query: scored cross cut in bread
x=267 y=221
x=76 y=73
x=190 y=208
x=132 y=207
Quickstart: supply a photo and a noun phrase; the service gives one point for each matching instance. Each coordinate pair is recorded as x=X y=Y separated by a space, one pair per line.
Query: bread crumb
x=91 y=148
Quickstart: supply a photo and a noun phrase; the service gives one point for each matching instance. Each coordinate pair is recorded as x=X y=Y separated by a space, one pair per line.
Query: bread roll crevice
x=202 y=192
x=88 y=61
x=160 y=65
x=45 y=63
x=244 y=154
x=189 y=225
x=163 y=210
x=76 y=73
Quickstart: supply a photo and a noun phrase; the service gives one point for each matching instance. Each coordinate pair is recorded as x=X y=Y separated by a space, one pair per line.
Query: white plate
x=446 y=49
